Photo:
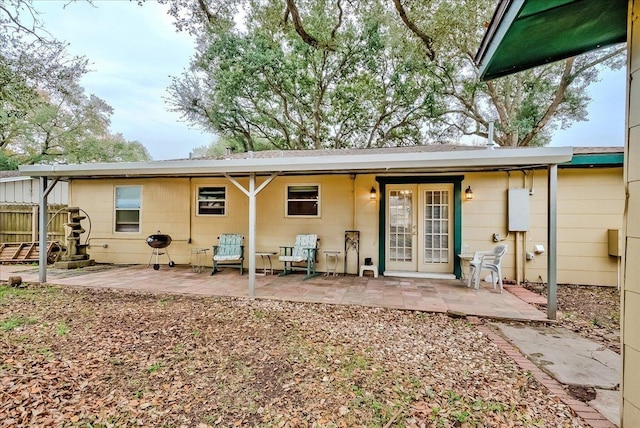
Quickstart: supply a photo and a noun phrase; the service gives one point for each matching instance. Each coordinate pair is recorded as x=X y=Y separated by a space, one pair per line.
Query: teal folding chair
x=303 y=251
x=229 y=252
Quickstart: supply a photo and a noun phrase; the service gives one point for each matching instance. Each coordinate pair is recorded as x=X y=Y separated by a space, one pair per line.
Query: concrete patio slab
x=571 y=360
x=431 y=295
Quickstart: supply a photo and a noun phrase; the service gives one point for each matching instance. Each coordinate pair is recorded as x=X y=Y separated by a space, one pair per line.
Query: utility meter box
x=518 y=210
x=615 y=244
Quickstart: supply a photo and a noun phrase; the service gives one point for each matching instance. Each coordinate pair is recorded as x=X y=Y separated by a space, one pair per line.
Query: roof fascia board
x=607 y=159
x=313 y=164
x=11 y=179
x=496 y=35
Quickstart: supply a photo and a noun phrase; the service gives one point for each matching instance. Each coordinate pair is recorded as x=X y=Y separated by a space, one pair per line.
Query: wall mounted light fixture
x=468 y=194
x=373 y=193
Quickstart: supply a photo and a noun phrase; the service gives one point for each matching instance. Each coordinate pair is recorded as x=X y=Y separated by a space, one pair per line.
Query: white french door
x=401 y=253
x=419 y=225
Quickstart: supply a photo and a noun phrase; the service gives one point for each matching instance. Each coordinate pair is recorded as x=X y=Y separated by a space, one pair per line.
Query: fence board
x=17 y=222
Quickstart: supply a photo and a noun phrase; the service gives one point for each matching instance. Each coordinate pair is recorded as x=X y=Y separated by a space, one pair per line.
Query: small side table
x=466 y=257
x=196 y=263
x=266 y=259
x=331 y=260
x=372 y=268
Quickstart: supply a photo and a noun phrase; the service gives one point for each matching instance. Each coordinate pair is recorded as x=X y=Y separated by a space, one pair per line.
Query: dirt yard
x=101 y=358
x=592 y=312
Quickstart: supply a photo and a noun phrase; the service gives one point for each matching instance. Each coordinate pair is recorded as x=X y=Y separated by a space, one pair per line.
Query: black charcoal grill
x=159 y=241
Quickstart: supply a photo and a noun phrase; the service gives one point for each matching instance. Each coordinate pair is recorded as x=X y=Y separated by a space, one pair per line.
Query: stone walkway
x=432 y=295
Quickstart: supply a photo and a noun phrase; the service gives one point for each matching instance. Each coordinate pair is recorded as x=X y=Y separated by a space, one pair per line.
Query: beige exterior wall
x=631 y=283
x=590 y=202
x=169 y=205
x=165 y=207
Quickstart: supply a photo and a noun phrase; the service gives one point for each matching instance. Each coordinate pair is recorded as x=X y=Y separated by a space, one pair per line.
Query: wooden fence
x=19 y=223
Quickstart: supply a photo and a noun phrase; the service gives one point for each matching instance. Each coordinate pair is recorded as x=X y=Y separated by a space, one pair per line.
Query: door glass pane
x=436 y=226
x=400 y=225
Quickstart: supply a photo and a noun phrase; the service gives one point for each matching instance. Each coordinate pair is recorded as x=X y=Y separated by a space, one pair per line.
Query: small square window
x=127 y=208
x=303 y=200
x=212 y=200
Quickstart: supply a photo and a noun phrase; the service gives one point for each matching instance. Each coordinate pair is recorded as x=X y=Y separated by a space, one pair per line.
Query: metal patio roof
x=430 y=161
x=527 y=33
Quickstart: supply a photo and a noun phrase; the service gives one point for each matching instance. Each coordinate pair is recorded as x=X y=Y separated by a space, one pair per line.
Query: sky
x=134 y=51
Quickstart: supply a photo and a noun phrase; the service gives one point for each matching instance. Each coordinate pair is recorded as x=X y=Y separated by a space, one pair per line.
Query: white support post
x=552 y=235
x=252 y=234
x=251 y=194
x=42 y=256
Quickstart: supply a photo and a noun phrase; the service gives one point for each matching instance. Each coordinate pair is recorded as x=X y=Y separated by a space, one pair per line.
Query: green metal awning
x=527 y=33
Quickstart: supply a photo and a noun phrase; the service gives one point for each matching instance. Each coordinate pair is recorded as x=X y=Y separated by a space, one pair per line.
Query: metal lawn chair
x=303 y=251
x=229 y=252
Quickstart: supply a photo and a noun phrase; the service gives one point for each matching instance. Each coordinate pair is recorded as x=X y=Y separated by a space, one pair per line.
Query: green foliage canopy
x=330 y=74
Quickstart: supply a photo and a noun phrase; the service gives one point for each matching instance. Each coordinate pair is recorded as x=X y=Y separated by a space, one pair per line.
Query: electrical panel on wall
x=518 y=210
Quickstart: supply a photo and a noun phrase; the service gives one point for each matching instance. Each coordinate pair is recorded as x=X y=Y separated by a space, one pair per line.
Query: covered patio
x=416 y=294
x=254 y=174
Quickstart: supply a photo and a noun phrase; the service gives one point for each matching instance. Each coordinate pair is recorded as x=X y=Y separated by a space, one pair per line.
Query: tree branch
x=205 y=10
x=297 y=23
x=598 y=61
x=565 y=81
x=426 y=40
x=339 y=23
x=19 y=25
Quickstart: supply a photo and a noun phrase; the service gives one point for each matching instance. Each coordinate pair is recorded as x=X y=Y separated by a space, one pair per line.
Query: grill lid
x=158 y=240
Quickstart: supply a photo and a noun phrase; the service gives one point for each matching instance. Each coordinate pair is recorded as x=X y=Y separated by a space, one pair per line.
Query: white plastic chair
x=487 y=260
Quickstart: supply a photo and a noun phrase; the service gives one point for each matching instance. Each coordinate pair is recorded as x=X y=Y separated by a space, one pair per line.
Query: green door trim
x=456 y=180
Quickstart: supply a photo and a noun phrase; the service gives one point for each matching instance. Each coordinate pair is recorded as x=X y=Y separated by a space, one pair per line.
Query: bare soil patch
x=105 y=358
x=591 y=311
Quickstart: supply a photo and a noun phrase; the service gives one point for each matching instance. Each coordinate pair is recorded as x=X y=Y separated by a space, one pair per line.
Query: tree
x=526 y=107
x=364 y=90
x=71 y=127
x=313 y=74
x=45 y=115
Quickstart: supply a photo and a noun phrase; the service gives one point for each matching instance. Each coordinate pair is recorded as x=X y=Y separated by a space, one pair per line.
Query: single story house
x=411 y=207
x=527 y=33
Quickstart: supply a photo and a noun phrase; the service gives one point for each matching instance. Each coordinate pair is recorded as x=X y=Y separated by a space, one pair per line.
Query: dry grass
x=102 y=358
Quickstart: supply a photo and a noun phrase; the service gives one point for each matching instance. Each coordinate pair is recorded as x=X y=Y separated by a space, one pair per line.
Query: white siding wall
x=25 y=190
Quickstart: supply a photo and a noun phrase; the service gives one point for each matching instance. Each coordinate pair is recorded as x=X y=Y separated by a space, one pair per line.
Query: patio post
x=42 y=225
x=251 y=194
x=252 y=234
x=552 y=235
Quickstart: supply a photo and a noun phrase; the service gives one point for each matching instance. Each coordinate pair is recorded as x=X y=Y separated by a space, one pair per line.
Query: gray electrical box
x=518 y=210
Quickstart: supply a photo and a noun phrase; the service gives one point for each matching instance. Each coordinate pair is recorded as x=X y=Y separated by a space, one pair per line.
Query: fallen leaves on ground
x=96 y=357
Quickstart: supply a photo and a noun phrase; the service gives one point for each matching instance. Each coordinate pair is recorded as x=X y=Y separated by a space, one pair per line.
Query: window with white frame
x=128 y=203
x=303 y=200
x=212 y=200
